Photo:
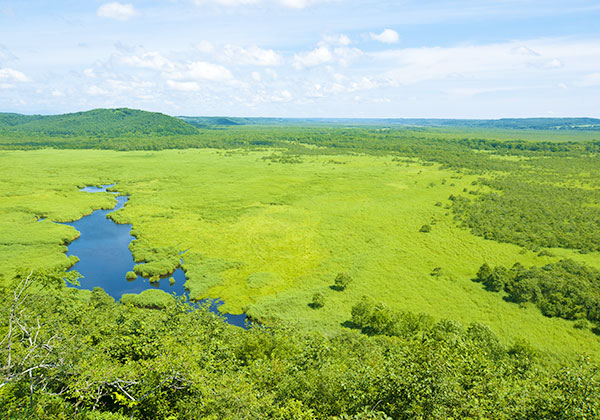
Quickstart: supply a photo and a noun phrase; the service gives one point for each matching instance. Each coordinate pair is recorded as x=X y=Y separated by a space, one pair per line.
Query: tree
x=497 y=279
x=425 y=229
x=484 y=273
x=318 y=300
x=29 y=349
x=342 y=280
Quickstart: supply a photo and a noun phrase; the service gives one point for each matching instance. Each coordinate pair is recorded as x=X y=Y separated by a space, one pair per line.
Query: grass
x=266 y=236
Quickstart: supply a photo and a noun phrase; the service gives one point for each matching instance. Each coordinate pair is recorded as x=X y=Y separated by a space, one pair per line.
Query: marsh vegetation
x=356 y=246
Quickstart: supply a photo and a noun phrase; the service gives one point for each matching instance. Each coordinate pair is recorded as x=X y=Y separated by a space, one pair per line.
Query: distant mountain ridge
x=126 y=122
x=96 y=123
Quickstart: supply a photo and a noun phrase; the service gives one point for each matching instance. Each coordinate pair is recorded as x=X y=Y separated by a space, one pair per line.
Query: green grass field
x=265 y=236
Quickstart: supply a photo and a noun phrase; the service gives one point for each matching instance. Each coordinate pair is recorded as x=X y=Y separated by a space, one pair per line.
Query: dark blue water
x=104 y=259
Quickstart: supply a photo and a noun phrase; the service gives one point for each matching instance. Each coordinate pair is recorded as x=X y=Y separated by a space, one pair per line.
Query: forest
x=390 y=271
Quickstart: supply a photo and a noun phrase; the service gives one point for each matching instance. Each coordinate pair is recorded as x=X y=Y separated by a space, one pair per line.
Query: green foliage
x=264 y=238
x=130 y=276
x=158 y=261
x=425 y=229
x=98 y=123
x=112 y=361
x=318 y=300
x=342 y=280
x=151 y=298
x=533 y=214
x=566 y=289
x=437 y=272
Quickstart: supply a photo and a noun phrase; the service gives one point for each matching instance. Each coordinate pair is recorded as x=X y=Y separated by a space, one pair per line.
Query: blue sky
x=303 y=58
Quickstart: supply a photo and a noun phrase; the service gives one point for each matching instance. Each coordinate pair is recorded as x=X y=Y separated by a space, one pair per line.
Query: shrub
x=342 y=280
x=318 y=300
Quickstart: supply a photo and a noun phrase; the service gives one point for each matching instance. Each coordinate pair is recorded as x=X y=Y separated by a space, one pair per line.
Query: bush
x=318 y=300
x=342 y=280
x=425 y=229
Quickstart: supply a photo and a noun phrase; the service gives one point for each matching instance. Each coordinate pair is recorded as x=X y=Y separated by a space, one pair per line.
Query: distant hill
x=118 y=122
x=203 y=122
x=504 y=123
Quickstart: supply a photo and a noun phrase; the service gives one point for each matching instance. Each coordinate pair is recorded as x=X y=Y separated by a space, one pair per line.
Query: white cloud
x=89 y=73
x=345 y=55
x=11 y=75
x=117 y=85
x=95 y=90
x=388 y=36
x=184 y=86
x=203 y=71
x=256 y=76
x=522 y=50
x=478 y=91
x=205 y=47
x=554 y=64
x=297 y=4
x=592 y=79
x=272 y=73
x=337 y=39
x=552 y=58
x=282 y=96
x=320 y=55
x=149 y=60
x=58 y=93
x=252 y=56
x=117 y=11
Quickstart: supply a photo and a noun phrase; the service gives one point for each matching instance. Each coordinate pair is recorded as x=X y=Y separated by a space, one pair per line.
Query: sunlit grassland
x=265 y=236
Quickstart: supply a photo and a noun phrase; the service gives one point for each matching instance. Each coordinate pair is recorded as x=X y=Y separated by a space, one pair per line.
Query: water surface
x=105 y=258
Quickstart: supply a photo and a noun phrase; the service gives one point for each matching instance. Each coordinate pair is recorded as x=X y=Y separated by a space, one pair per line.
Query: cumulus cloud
x=337 y=39
x=11 y=75
x=118 y=11
x=184 y=86
x=252 y=56
x=149 y=60
x=324 y=54
x=388 y=36
x=203 y=71
x=320 y=55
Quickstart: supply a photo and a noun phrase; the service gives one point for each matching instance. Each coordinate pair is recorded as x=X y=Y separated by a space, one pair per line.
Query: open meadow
x=265 y=233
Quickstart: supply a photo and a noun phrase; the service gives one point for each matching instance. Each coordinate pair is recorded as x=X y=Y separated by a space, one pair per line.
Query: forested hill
x=118 y=122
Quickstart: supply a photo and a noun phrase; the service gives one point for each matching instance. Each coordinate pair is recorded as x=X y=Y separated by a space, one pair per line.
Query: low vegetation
x=355 y=245
x=123 y=361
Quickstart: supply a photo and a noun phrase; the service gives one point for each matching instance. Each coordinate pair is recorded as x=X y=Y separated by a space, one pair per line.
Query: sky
x=303 y=58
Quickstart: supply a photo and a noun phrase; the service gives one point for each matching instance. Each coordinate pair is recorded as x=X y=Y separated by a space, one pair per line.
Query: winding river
x=105 y=258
